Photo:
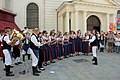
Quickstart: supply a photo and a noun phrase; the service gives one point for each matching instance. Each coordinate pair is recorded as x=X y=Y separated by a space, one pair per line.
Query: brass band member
x=7 y=50
x=16 y=52
x=34 y=50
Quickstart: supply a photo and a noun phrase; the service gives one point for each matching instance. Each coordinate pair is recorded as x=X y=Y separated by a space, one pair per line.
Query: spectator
x=117 y=43
x=110 y=40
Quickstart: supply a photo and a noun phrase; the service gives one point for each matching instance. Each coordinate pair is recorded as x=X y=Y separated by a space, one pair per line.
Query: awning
x=4 y=24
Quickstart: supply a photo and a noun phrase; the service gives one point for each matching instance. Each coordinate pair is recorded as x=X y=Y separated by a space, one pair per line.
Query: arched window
x=32 y=16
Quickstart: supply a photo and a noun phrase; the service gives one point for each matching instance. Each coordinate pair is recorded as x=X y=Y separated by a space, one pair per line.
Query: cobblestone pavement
x=72 y=69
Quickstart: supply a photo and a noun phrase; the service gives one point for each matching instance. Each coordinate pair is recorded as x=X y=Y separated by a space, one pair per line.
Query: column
x=3 y=4
x=107 y=22
x=67 y=22
x=61 y=23
x=76 y=20
x=84 y=28
x=11 y=5
x=114 y=18
x=72 y=21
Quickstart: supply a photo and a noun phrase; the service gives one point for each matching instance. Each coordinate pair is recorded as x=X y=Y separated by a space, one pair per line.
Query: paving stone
x=68 y=69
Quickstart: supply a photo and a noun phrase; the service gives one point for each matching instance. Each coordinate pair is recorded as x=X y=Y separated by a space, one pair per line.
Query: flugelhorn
x=17 y=34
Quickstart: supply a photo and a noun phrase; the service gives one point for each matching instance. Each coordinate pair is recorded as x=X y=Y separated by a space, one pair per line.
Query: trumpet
x=17 y=34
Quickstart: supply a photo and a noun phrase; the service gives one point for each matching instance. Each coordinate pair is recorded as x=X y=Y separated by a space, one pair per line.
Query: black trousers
x=16 y=52
x=41 y=57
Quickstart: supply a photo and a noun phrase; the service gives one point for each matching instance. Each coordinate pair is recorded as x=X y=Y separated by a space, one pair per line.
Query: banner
x=118 y=24
x=112 y=27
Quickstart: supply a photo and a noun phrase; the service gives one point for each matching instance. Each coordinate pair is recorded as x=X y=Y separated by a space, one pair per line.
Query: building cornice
x=87 y=3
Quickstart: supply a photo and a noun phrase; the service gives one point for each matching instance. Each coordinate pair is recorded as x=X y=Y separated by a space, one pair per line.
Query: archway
x=93 y=22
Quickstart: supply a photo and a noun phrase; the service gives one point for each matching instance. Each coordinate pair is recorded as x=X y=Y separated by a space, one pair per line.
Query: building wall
x=106 y=14
x=20 y=8
x=51 y=14
x=0 y=4
x=6 y=5
x=47 y=13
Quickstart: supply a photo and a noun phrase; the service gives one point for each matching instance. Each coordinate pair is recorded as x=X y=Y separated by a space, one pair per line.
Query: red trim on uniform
x=44 y=54
x=51 y=53
x=58 y=50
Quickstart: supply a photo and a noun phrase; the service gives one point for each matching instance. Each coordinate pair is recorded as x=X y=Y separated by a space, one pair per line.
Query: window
x=8 y=5
x=32 y=16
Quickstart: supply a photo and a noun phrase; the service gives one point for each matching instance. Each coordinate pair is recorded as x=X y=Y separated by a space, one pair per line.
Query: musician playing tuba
x=17 y=34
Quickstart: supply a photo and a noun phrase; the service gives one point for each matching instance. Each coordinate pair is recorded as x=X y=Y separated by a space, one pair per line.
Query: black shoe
x=8 y=74
x=47 y=63
x=16 y=63
x=52 y=61
x=65 y=57
x=36 y=74
x=71 y=55
x=42 y=69
x=38 y=71
x=34 y=71
x=11 y=66
x=11 y=72
x=95 y=63
x=78 y=54
x=19 y=62
x=95 y=59
x=59 y=58
x=44 y=64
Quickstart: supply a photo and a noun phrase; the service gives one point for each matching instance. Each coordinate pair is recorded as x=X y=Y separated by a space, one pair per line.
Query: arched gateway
x=93 y=22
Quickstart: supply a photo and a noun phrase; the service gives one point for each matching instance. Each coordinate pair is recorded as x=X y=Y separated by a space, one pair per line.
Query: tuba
x=17 y=34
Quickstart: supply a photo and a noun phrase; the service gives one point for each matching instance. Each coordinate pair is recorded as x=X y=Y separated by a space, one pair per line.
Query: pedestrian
x=110 y=40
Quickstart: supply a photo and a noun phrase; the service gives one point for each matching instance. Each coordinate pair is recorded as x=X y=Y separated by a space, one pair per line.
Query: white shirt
x=59 y=39
x=34 y=40
x=117 y=41
x=65 y=37
x=1 y=38
x=87 y=37
x=45 y=38
x=17 y=42
x=93 y=38
x=51 y=37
